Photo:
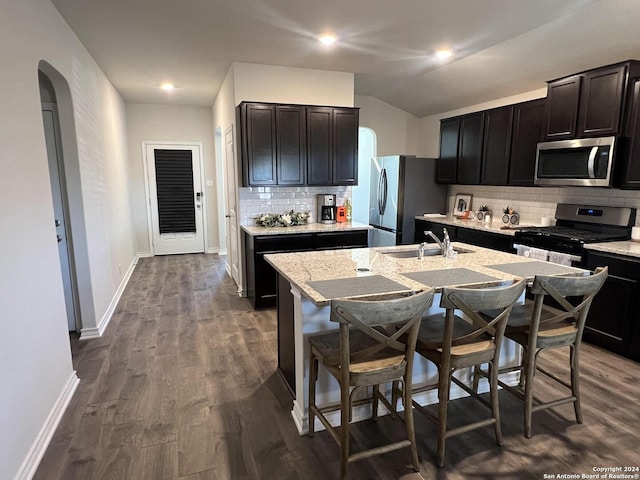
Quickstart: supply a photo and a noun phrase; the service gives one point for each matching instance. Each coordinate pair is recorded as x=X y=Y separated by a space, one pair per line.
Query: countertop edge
x=626 y=248
x=255 y=230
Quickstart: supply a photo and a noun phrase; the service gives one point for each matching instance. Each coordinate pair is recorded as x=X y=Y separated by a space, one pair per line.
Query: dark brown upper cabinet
x=470 y=149
x=628 y=169
x=526 y=133
x=588 y=104
x=448 y=160
x=257 y=124
x=332 y=146
x=601 y=100
x=460 y=149
x=294 y=145
x=290 y=144
x=491 y=147
x=561 y=114
x=496 y=146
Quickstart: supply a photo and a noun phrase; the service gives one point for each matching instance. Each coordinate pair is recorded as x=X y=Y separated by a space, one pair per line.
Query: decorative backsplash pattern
x=532 y=203
x=255 y=201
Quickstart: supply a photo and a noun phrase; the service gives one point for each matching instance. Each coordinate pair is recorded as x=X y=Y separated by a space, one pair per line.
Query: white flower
x=286 y=219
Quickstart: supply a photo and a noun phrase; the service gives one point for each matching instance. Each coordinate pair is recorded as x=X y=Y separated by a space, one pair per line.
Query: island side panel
x=286 y=340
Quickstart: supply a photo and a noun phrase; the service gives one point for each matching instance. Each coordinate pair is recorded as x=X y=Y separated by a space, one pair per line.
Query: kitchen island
x=307 y=281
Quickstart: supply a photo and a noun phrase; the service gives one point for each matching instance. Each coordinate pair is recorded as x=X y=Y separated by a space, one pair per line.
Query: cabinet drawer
x=283 y=243
x=358 y=238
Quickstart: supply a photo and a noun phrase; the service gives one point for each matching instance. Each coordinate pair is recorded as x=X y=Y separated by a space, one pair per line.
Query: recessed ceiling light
x=444 y=54
x=167 y=86
x=327 y=39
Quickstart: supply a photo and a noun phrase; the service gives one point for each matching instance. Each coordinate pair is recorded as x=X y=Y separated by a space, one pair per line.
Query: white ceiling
x=503 y=47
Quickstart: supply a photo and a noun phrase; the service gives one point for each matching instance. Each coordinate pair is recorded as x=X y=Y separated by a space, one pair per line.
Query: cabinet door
x=496 y=146
x=601 y=102
x=562 y=108
x=447 y=162
x=258 y=136
x=345 y=148
x=319 y=146
x=470 y=149
x=291 y=144
x=613 y=316
x=527 y=130
x=630 y=166
x=495 y=241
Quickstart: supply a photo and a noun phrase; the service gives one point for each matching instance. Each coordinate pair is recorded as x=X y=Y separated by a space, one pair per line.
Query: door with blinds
x=176 y=202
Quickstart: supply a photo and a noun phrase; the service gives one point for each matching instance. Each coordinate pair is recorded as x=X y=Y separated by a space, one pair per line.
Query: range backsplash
x=532 y=203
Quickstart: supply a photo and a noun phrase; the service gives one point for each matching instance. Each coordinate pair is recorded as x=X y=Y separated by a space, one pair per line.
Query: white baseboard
x=41 y=443
x=96 y=332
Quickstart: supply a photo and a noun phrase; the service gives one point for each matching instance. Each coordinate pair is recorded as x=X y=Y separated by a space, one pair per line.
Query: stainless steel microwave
x=582 y=162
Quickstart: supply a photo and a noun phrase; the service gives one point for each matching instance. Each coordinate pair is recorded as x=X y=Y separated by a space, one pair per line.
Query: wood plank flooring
x=183 y=385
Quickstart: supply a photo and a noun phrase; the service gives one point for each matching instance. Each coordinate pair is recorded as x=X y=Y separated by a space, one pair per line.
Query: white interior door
x=56 y=173
x=231 y=215
x=176 y=198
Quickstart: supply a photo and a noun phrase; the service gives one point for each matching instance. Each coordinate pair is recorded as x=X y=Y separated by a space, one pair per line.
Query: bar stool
x=452 y=343
x=537 y=327
x=374 y=345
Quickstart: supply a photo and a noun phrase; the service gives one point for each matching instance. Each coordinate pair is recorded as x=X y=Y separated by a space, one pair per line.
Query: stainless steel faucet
x=445 y=244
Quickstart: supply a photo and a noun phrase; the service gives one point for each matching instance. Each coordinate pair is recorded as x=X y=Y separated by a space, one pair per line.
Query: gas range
x=577 y=225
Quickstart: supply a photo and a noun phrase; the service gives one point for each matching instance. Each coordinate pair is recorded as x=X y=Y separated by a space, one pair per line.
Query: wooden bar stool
x=375 y=344
x=537 y=327
x=452 y=343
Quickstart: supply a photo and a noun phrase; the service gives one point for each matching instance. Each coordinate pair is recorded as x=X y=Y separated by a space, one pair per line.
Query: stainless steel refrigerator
x=401 y=188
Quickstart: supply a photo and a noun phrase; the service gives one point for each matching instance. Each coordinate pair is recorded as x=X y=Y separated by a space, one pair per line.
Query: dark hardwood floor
x=183 y=385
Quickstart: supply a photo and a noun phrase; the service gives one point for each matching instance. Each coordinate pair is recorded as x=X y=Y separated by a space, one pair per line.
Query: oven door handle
x=574 y=258
x=592 y=162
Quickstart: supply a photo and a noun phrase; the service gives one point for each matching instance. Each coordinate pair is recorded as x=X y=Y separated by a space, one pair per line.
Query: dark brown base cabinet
x=262 y=278
x=614 y=318
x=495 y=241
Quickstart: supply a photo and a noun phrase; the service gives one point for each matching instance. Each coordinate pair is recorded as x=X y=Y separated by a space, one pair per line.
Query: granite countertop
x=627 y=247
x=306 y=270
x=496 y=225
x=307 y=228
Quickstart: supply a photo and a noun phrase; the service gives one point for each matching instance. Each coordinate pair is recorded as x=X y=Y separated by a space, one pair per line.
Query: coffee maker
x=326 y=208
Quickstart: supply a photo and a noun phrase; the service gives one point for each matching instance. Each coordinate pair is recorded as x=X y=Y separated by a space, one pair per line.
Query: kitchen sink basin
x=428 y=252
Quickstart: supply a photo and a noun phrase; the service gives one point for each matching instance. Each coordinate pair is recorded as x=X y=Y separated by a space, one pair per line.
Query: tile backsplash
x=254 y=201
x=532 y=203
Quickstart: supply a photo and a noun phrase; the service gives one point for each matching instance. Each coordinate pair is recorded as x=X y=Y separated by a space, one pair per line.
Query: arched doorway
x=64 y=171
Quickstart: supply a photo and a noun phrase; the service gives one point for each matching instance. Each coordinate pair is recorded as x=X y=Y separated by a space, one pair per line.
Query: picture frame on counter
x=461 y=204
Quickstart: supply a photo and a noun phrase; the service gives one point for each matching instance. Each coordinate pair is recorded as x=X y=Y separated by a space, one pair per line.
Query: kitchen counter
x=495 y=226
x=307 y=228
x=628 y=248
x=304 y=267
x=308 y=280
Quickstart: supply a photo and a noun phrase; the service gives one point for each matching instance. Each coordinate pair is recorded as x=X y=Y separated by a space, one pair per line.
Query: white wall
x=397 y=131
x=269 y=83
x=170 y=123
x=36 y=373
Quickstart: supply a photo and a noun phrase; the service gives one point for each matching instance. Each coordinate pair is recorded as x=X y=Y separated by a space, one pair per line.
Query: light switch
x=209 y=183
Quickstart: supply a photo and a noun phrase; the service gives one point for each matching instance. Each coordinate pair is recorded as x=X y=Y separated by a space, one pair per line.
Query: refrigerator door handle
x=379 y=193
x=384 y=191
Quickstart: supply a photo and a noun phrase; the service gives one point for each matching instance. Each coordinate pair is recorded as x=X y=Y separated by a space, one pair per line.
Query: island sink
x=428 y=252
